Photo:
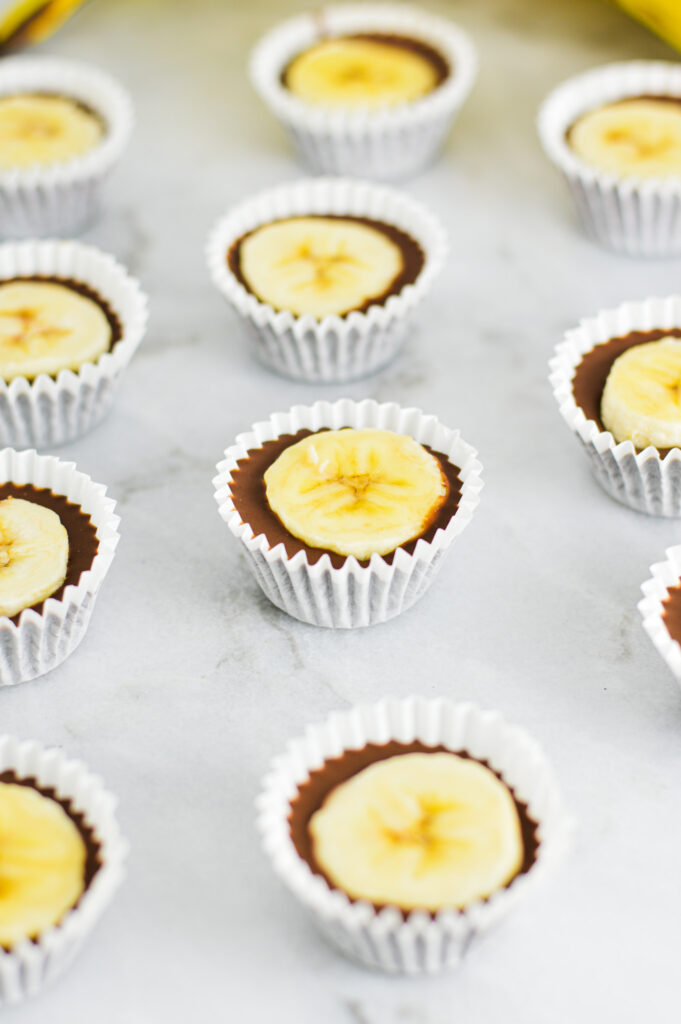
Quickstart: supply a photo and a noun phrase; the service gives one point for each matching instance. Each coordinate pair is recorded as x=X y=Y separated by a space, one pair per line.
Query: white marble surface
x=189 y=681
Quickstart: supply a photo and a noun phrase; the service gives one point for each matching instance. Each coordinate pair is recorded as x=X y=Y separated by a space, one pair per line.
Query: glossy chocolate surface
x=248 y=493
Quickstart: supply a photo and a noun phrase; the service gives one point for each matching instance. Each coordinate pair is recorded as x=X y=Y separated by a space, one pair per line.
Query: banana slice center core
x=319 y=265
x=419 y=831
x=359 y=72
x=638 y=137
x=42 y=863
x=356 y=492
x=34 y=554
x=46 y=327
x=37 y=129
x=641 y=400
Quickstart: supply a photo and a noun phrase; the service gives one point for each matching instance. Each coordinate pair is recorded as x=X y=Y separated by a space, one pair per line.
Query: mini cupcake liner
x=418 y=942
x=391 y=143
x=335 y=348
x=62 y=198
x=41 y=641
x=636 y=216
x=641 y=480
x=352 y=595
x=49 y=411
x=665 y=575
x=30 y=965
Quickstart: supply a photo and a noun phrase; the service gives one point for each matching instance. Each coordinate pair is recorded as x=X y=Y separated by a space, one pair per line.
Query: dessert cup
x=39 y=641
x=29 y=966
x=634 y=216
x=390 y=939
x=62 y=198
x=646 y=481
x=664 y=576
x=48 y=411
x=355 y=594
x=390 y=143
x=335 y=348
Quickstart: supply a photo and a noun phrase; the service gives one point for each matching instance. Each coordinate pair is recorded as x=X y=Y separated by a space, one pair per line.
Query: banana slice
x=42 y=863
x=639 y=137
x=34 y=554
x=355 y=72
x=641 y=399
x=319 y=265
x=45 y=129
x=356 y=492
x=419 y=831
x=47 y=327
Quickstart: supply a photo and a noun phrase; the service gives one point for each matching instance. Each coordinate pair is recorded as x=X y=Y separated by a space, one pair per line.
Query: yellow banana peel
x=23 y=22
x=662 y=16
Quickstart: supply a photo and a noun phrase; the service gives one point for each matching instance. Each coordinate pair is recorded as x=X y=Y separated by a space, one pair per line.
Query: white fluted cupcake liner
x=391 y=143
x=664 y=576
x=418 y=943
x=636 y=216
x=49 y=411
x=642 y=480
x=352 y=595
x=335 y=348
x=62 y=198
x=41 y=641
x=29 y=966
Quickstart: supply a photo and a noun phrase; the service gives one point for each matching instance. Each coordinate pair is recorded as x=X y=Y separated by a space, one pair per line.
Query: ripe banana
x=45 y=129
x=319 y=265
x=641 y=399
x=357 y=72
x=42 y=863
x=34 y=554
x=639 y=137
x=419 y=831
x=356 y=492
x=46 y=327
x=23 y=22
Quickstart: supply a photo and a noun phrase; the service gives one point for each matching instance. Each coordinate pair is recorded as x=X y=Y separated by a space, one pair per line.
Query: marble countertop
x=189 y=681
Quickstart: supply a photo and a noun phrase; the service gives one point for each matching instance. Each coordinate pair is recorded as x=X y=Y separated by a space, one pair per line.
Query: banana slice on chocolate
x=356 y=492
x=46 y=327
x=42 y=863
x=34 y=554
x=38 y=129
x=641 y=399
x=362 y=72
x=639 y=137
x=319 y=265
x=419 y=831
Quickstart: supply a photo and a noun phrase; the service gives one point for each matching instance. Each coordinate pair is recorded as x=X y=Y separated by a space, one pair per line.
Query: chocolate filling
x=93 y=859
x=83 y=543
x=625 y=99
x=592 y=373
x=412 y=257
x=422 y=49
x=312 y=793
x=248 y=494
x=671 y=615
x=86 y=292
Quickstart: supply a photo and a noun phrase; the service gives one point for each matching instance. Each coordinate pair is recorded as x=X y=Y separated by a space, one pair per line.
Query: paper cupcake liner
x=62 y=198
x=641 y=480
x=390 y=143
x=29 y=966
x=352 y=595
x=335 y=348
x=418 y=943
x=636 y=216
x=665 y=575
x=41 y=641
x=49 y=411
